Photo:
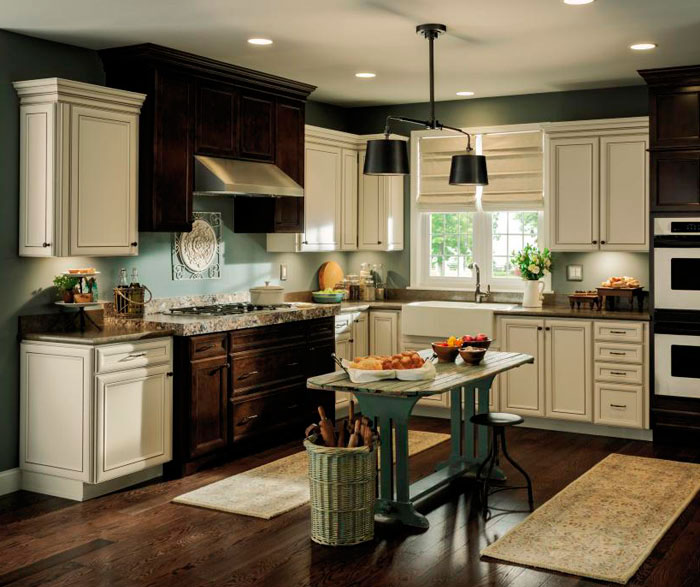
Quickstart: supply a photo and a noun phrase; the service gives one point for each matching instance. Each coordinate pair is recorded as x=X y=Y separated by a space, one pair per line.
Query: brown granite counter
x=189 y=325
x=108 y=335
x=358 y=306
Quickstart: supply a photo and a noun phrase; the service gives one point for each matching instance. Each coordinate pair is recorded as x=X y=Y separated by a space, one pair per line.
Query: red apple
x=481 y=336
x=467 y=338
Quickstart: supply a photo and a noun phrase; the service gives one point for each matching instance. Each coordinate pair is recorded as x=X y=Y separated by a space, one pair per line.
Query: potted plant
x=532 y=265
x=64 y=287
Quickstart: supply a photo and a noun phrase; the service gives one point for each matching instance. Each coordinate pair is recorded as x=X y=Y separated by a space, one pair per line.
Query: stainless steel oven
x=677 y=264
x=677 y=357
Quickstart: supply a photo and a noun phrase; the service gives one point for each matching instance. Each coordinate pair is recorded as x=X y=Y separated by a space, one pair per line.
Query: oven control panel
x=685 y=227
x=677 y=226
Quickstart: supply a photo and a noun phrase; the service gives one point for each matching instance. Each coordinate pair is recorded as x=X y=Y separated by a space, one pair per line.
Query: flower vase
x=532 y=295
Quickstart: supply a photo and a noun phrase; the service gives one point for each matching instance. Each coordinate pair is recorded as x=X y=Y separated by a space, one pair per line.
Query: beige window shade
x=515 y=166
x=435 y=159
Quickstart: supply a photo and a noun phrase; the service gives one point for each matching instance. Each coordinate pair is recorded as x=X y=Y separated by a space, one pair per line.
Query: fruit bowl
x=445 y=354
x=471 y=355
x=480 y=344
x=327 y=298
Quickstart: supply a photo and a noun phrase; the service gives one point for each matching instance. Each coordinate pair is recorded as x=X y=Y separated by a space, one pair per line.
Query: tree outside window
x=510 y=231
x=451 y=244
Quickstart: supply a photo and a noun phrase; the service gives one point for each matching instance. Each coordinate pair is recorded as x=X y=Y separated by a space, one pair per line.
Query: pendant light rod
x=427 y=124
x=431 y=32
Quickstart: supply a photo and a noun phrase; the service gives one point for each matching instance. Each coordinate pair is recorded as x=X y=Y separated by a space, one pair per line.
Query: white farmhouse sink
x=442 y=319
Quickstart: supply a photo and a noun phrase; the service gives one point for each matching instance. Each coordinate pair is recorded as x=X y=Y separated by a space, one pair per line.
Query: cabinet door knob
x=45 y=245
x=379 y=242
x=539 y=328
x=547 y=328
x=169 y=374
x=134 y=244
x=602 y=242
x=595 y=242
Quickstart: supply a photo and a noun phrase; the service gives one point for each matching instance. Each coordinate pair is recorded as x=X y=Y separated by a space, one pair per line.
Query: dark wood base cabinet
x=241 y=391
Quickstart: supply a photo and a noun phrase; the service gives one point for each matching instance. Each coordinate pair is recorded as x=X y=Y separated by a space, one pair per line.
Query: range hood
x=215 y=176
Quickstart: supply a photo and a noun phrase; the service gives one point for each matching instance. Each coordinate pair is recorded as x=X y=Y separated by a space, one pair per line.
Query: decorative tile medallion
x=197 y=254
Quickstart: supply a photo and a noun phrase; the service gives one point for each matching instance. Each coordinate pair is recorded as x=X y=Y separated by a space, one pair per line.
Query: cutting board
x=329 y=275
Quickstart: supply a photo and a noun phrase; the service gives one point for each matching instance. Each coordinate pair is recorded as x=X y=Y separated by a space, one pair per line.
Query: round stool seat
x=497 y=419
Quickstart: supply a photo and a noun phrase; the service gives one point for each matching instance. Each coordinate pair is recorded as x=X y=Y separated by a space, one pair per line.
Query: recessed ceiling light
x=643 y=46
x=465 y=93
x=365 y=74
x=578 y=2
x=260 y=41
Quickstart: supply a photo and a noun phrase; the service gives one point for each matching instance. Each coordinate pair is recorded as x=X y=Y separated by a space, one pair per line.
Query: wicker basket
x=343 y=484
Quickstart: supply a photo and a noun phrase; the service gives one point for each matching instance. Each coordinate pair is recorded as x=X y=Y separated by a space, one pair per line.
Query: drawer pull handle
x=618 y=332
x=247 y=419
x=246 y=375
x=618 y=353
x=131 y=357
x=618 y=373
x=294 y=364
x=618 y=405
x=206 y=347
x=293 y=406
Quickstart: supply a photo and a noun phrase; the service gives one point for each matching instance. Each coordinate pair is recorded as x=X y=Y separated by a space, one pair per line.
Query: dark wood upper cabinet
x=674 y=138
x=257 y=126
x=199 y=105
x=216 y=130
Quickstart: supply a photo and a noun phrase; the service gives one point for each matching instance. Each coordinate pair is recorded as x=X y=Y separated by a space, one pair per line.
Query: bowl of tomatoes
x=447 y=350
x=480 y=341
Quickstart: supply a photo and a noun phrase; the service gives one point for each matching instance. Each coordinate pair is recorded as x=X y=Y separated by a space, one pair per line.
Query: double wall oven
x=677 y=307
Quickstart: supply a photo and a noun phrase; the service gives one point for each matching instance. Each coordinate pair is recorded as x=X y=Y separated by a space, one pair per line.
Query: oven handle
x=676 y=242
x=684 y=328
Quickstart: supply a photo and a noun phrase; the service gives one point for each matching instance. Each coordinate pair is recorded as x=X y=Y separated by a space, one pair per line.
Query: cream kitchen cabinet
x=380 y=212
x=78 y=169
x=522 y=389
x=344 y=210
x=384 y=332
x=597 y=185
x=351 y=340
x=94 y=419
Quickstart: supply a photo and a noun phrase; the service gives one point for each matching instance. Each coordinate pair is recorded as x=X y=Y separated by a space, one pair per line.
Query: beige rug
x=277 y=487
x=607 y=522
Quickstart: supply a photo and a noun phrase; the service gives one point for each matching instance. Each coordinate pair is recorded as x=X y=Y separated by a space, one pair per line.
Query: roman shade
x=515 y=167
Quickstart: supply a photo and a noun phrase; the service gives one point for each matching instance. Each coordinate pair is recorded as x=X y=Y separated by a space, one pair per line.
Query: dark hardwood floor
x=138 y=537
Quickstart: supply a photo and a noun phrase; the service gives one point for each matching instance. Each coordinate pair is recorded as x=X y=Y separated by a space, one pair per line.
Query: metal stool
x=497 y=422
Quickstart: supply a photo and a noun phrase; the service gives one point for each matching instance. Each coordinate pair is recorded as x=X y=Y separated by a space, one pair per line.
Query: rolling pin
x=327 y=428
x=351 y=416
x=355 y=437
x=366 y=435
x=341 y=434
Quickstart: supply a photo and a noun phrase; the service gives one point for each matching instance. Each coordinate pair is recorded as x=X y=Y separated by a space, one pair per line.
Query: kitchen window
x=456 y=226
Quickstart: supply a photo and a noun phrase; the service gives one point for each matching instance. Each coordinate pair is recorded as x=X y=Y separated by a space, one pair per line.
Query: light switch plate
x=574 y=272
x=283 y=272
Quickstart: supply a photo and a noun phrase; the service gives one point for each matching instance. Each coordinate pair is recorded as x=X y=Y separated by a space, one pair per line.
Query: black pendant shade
x=468 y=170
x=386 y=157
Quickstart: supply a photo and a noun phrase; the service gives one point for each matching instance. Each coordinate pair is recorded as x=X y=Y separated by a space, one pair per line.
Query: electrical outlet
x=283 y=272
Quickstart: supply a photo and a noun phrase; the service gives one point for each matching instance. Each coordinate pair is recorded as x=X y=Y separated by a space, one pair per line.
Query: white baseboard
x=10 y=481
x=557 y=425
x=79 y=491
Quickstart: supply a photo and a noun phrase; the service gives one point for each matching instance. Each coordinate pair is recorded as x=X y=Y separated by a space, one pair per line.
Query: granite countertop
x=109 y=335
x=190 y=325
x=546 y=311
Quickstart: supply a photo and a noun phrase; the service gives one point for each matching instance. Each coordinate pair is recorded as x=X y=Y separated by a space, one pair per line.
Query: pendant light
x=390 y=156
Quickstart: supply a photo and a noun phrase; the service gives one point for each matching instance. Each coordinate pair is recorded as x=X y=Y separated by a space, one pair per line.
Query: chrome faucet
x=479 y=296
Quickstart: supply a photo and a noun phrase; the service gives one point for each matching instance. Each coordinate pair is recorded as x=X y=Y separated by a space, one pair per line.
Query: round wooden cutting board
x=329 y=275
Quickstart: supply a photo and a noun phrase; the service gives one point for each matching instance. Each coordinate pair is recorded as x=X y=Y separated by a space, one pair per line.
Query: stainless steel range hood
x=214 y=176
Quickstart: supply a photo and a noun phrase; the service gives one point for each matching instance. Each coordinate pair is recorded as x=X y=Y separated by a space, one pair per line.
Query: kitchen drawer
x=120 y=357
x=343 y=324
x=618 y=331
x=321 y=330
x=615 y=373
x=619 y=352
x=256 y=368
x=261 y=414
x=619 y=405
x=208 y=345
x=264 y=337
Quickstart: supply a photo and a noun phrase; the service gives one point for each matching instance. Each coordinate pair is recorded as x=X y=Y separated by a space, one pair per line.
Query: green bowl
x=327 y=298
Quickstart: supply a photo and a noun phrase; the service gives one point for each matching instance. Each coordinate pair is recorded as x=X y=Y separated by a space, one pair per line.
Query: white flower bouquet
x=531 y=263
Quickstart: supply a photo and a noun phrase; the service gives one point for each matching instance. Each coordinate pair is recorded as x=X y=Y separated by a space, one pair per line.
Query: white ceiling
x=493 y=47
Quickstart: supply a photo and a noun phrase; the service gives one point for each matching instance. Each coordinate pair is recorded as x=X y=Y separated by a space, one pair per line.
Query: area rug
x=277 y=487
x=607 y=522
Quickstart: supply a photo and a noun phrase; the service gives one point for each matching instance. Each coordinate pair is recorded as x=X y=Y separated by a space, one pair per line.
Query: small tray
x=78 y=304
x=81 y=274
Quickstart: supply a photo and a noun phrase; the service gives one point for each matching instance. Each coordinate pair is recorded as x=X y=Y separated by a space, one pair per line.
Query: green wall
x=28 y=281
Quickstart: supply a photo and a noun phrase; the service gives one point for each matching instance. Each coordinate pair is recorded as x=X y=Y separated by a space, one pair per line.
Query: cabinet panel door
x=568 y=360
x=393 y=207
x=675 y=118
x=170 y=206
x=360 y=334
x=104 y=172
x=36 y=181
x=383 y=333
x=624 y=209
x=522 y=389
x=134 y=421
x=348 y=232
x=257 y=126
x=675 y=181
x=573 y=186
x=216 y=122
x=56 y=410
x=371 y=235
x=289 y=157
x=322 y=197
x=208 y=406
